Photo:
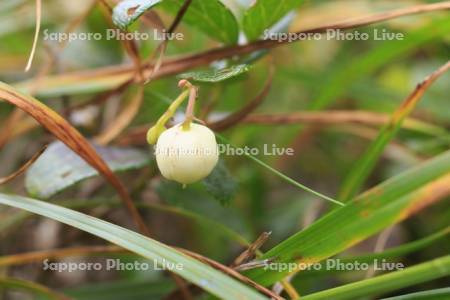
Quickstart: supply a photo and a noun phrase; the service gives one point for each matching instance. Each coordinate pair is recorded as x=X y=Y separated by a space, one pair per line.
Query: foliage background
x=309 y=76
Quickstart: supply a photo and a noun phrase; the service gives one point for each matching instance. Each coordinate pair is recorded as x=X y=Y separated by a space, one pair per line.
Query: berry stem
x=190 y=107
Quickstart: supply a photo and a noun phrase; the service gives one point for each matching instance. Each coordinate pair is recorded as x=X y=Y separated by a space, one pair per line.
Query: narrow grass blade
x=384 y=205
x=437 y=294
x=67 y=134
x=424 y=272
x=284 y=177
x=363 y=166
x=194 y=271
x=37 y=289
x=388 y=254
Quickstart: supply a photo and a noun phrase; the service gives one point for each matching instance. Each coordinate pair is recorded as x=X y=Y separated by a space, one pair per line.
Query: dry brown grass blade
x=236 y=117
x=23 y=168
x=8 y=126
x=67 y=134
x=410 y=103
x=428 y=195
x=231 y=272
x=250 y=252
x=123 y=120
x=355 y=179
x=119 y=74
x=31 y=257
x=330 y=117
x=17 y=117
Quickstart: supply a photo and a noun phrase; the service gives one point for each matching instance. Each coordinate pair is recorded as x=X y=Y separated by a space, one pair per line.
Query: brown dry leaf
x=67 y=134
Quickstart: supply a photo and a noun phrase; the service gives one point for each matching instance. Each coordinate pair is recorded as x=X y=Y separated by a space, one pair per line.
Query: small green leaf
x=210 y=16
x=265 y=13
x=58 y=167
x=216 y=75
x=126 y=12
x=220 y=184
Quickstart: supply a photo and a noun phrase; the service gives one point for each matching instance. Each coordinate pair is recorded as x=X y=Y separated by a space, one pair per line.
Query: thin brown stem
x=23 y=168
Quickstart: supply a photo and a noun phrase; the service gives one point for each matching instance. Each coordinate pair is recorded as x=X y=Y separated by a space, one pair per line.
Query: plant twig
x=177 y=65
x=36 y=34
x=236 y=117
x=24 y=167
x=66 y=133
x=249 y=253
x=161 y=49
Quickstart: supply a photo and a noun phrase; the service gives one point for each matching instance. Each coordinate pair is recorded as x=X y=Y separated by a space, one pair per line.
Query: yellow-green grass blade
x=427 y=271
x=388 y=254
x=378 y=208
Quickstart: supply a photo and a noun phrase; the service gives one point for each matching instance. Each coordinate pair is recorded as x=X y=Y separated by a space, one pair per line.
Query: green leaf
x=59 y=167
x=128 y=11
x=424 y=272
x=194 y=271
x=216 y=75
x=437 y=294
x=220 y=184
x=211 y=16
x=378 y=208
x=265 y=13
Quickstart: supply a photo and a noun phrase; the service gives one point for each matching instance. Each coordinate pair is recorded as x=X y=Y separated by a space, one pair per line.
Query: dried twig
x=175 y=66
x=231 y=272
x=23 y=168
x=239 y=115
x=249 y=253
x=161 y=49
x=36 y=34
x=61 y=129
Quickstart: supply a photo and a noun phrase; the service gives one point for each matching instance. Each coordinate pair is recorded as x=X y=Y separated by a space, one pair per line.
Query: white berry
x=186 y=155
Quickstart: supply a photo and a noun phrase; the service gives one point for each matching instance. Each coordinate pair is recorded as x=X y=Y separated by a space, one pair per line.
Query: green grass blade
x=433 y=269
x=378 y=208
x=437 y=294
x=194 y=271
x=283 y=176
x=37 y=289
x=364 y=166
x=387 y=254
x=386 y=52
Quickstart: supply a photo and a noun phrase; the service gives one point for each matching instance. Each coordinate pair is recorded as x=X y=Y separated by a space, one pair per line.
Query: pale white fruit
x=186 y=156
